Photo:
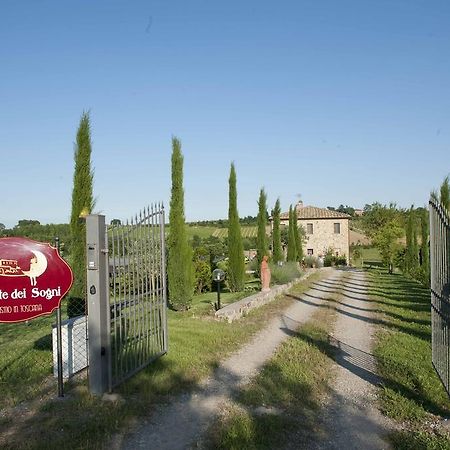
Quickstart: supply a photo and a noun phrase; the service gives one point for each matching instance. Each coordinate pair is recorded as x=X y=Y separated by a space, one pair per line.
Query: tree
x=236 y=264
x=277 y=252
x=298 y=237
x=445 y=194
x=179 y=268
x=27 y=223
x=382 y=223
x=82 y=205
x=202 y=270
x=386 y=240
x=424 y=250
x=292 y=245
x=376 y=216
x=412 y=251
x=262 y=246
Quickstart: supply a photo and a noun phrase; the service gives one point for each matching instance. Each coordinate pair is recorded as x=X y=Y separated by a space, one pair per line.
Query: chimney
x=299 y=205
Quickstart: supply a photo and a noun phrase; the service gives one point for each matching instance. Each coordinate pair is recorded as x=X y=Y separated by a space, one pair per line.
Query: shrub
x=340 y=260
x=328 y=261
x=284 y=273
x=310 y=261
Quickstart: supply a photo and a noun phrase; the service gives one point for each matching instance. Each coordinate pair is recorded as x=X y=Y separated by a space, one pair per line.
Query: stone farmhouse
x=325 y=229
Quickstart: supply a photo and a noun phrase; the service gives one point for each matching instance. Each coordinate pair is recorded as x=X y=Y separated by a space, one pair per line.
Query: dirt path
x=181 y=424
x=351 y=420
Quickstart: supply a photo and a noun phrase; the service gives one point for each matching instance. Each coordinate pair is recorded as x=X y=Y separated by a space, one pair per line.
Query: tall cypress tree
x=445 y=194
x=415 y=246
x=82 y=205
x=292 y=245
x=298 y=242
x=179 y=268
x=261 y=238
x=412 y=248
x=409 y=243
x=277 y=252
x=424 y=228
x=236 y=265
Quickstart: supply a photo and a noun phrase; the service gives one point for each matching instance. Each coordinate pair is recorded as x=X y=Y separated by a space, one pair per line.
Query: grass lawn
x=412 y=393
x=197 y=343
x=370 y=257
x=292 y=387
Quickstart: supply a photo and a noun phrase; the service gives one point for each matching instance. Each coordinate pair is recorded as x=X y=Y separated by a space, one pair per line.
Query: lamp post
x=218 y=276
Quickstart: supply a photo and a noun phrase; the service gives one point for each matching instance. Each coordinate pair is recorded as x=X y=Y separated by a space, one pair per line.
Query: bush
x=332 y=260
x=310 y=261
x=340 y=261
x=285 y=273
x=328 y=261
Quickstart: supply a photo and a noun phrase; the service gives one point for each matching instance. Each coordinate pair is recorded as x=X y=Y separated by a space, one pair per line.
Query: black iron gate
x=440 y=290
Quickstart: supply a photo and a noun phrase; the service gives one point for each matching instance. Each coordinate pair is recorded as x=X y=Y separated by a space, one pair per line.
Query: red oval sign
x=33 y=279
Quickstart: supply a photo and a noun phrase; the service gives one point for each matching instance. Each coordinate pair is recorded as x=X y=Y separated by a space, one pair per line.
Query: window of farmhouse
x=337 y=228
x=310 y=252
x=309 y=228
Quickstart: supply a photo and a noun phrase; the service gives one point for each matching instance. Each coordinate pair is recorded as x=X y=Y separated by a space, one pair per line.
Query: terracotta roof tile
x=313 y=212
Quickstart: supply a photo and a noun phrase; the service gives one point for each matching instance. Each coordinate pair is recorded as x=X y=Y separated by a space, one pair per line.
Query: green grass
x=26 y=358
x=197 y=343
x=412 y=392
x=203 y=303
x=293 y=385
x=202 y=232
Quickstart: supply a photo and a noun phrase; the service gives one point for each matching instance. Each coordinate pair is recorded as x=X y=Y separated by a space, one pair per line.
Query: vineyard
x=203 y=232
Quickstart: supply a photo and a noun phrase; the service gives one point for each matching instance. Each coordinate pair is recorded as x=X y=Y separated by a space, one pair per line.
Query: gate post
x=98 y=305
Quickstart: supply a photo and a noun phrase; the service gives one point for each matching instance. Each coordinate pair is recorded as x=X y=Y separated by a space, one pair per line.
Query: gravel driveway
x=351 y=419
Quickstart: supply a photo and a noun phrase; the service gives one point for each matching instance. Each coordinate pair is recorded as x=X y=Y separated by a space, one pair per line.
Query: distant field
x=204 y=232
x=245 y=232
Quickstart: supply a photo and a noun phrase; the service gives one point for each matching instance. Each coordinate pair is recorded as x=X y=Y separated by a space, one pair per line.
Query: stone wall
x=242 y=307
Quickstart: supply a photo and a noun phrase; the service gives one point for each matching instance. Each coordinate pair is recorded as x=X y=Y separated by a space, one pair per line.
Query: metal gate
x=137 y=293
x=440 y=291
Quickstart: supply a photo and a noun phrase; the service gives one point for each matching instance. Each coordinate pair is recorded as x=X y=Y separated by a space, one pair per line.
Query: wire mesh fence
x=28 y=363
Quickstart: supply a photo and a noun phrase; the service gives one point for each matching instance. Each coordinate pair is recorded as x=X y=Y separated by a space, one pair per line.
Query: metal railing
x=440 y=290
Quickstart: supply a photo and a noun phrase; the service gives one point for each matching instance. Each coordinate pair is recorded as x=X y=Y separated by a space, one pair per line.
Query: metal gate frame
x=127 y=300
x=440 y=291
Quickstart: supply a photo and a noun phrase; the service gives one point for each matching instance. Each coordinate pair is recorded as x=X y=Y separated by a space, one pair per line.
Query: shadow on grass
x=425 y=335
x=364 y=365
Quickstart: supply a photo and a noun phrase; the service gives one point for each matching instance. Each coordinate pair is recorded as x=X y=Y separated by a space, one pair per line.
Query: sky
x=339 y=102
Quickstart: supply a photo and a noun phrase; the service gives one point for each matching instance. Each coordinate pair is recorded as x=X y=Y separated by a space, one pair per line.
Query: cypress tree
x=409 y=243
x=415 y=246
x=236 y=265
x=445 y=194
x=277 y=252
x=412 y=248
x=82 y=205
x=298 y=242
x=261 y=239
x=179 y=268
x=292 y=245
x=424 y=228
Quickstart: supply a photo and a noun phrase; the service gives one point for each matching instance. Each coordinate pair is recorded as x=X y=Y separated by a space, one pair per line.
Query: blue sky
x=340 y=101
